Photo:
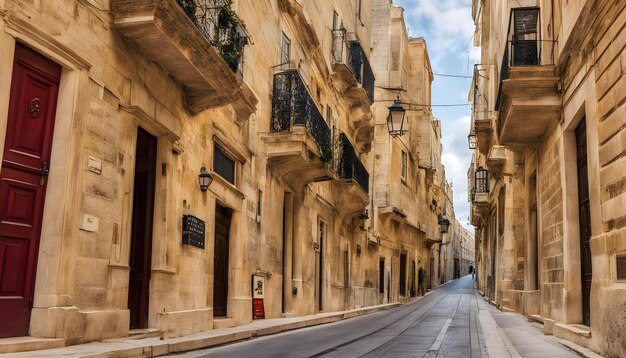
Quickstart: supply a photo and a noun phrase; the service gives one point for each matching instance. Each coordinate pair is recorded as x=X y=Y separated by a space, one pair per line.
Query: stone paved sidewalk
x=152 y=347
x=489 y=332
x=512 y=335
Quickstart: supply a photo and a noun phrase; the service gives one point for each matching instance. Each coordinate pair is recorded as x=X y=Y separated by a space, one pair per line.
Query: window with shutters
x=223 y=164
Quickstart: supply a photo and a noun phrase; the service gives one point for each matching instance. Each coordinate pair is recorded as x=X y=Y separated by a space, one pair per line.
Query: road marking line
x=437 y=344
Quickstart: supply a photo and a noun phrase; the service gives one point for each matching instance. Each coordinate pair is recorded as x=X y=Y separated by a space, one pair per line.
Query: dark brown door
x=584 y=218
x=28 y=142
x=320 y=268
x=403 y=274
x=141 y=231
x=220 y=263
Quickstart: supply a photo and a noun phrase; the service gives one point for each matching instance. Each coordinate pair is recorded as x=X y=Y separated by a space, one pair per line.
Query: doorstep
x=563 y=330
x=223 y=322
x=537 y=318
x=24 y=344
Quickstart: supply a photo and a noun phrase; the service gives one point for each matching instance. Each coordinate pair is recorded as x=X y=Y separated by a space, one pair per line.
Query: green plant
x=325 y=154
x=231 y=42
x=190 y=8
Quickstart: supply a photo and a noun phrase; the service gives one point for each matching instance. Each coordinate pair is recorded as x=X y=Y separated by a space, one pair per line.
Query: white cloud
x=448 y=28
x=446 y=24
x=456 y=157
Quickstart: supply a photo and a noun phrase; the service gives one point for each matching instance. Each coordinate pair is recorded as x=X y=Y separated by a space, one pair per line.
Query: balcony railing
x=350 y=166
x=292 y=105
x=220 y=25
x=362 y=69
x=524 y=53
x=524 y=46
x=353 y=56
x=341 y=48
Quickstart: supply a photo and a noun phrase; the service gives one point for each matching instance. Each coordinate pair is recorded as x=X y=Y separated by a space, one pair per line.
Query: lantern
x=395 y=119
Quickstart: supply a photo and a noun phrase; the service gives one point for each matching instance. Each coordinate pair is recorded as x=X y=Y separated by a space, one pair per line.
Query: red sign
x=257 y=308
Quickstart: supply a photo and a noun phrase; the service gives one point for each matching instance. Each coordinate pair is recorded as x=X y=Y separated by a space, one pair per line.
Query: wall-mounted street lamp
x=471 y=139
x=364 y=215
x=204 y=179
x=444 y=224
x=395 y=119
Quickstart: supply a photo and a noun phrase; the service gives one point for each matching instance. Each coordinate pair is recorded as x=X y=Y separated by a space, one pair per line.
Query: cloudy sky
x=447 y=27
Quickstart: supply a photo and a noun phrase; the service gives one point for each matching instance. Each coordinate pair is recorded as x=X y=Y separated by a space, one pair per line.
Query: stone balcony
x=352 y=190
x=299 y=145
x=483 y=127
x=475 y=215
x=185 y=41
x=529 y=103
x=481 y=199
x=496 y=159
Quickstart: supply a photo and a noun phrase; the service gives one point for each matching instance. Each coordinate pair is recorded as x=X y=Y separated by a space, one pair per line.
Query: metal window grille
x=223 y=164
x=481 y=180
x=350 y=166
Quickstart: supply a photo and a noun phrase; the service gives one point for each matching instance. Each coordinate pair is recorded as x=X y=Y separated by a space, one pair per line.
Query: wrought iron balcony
x=362 y=69
x=221 y=27
x=528 y=99
x=352 y=66
x=199 y=42
x=352 y=190
x=300 y=145
x=350 y=166
x=292 y=105
x=482 y=115
x=354 y=79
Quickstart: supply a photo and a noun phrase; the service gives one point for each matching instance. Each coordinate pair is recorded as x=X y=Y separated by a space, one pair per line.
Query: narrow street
x=452 y=321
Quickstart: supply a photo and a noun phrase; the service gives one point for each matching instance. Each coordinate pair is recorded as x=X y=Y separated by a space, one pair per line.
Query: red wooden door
x=28 y=141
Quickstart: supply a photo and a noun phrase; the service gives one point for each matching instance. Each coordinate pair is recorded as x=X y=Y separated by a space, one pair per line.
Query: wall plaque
x=193 y=231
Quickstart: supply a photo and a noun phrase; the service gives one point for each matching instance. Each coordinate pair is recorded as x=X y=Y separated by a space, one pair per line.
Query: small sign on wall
x=258 y=293
x=258 y=286
x=193 y=231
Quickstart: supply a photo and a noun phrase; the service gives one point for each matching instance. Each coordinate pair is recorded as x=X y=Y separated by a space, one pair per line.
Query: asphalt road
x=443 y=324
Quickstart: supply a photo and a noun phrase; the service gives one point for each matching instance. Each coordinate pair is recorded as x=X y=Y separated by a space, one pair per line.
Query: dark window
x=403 y=275
x=358 y=9
x=285 y=52
x=621 y=268
x=501 y=209
x=525 y=45
x=381 y=276
x=404 y=166
x=223 y=164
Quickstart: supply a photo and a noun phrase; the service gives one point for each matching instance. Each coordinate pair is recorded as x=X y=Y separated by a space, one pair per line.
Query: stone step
x=24 y=344
x=223 y=323
x=143 y=333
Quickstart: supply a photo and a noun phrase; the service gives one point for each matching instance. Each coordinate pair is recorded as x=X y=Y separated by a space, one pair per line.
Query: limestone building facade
x=404 y=181
x=548 y=200
x=117 y=111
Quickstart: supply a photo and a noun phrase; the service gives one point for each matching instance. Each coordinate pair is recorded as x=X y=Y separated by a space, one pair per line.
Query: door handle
x=45 y=170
